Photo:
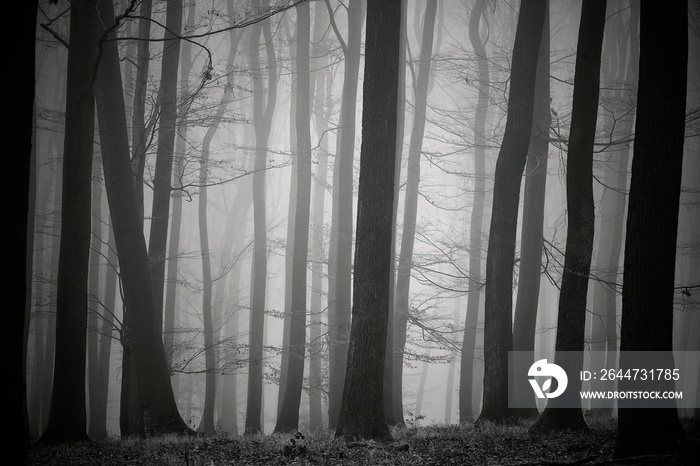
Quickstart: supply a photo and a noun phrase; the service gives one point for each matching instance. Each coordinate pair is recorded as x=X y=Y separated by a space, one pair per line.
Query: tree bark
x=289 y=414
x=652 y=220
x=403 y=276
x=466 y=374
x=142 y=333
x=340 y=328
x=498 y=336
x=531 y=239
x=17 y=131
x=262 y=116
x=362 y=409
x=571 y=320
x=167 y=101
x=67 y=416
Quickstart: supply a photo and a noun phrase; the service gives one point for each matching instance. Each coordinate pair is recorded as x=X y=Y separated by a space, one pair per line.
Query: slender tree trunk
x=167 y=101
x=97 y=427
x=498 y=336
x=324 y=104
x=604 y=332
x=262 y=116
x=170 y=309
x=67 y=416
x=533 y=218
x=340 y=329
x=362 y=409
x=289 y=414
x=466 y=374
x=389 y=408
x=138 y=113
x=571 y=321
x=652 y=220
x=403 y=276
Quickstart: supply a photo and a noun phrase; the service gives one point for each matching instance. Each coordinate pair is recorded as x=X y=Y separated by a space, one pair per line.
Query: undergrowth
x=487 y=444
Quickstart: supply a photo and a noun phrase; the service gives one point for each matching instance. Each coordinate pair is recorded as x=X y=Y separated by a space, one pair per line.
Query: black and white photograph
x=352 y=232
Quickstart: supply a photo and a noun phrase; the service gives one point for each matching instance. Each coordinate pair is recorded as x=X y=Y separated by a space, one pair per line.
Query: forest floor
x=414 y=445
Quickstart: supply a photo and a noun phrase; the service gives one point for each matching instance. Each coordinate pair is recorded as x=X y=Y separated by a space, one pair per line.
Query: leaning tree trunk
x=652 y=219
x=362 y=408
x=142 y=335
x=498 y=336
x=571 y=321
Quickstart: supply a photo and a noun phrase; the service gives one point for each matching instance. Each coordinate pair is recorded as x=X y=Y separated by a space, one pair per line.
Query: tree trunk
x=498 y=337
x=67 y=417
x=533 y=218
x=289 y=414
x=571 y=320
x=97 y=426
x=17 y=132
x=167 y=101
x=604 y=328
x=403 y=276
x=142 y=333
x=466 y=374
x=652 y=220
x=138 y=113
x=262 y=116
x=362 y=409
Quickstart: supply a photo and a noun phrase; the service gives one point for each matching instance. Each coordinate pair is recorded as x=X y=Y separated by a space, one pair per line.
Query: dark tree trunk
x=652 y=220
x=531 y=239
x=67 y=416
x=466 y=374
x=604 y=320
x=498 y=314
x=362 y=409
x=17 y=132
x=138 y=114
x=571 y=321
x=142 y=333
x=167 y=101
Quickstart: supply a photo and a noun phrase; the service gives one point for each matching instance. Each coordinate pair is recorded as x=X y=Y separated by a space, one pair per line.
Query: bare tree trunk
x=362 y=409
x=142 y=332
x=67 y=416
x=138 y=114
x=533 y=218
x=466 y=374
x=289 y=414
x=604 y=331
x=652 y=220
x=167 y=101
x=340 y=318
x=403 y=276
x=498 y=336
x=18 y=134
x=571 y=320
x=262 y=116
